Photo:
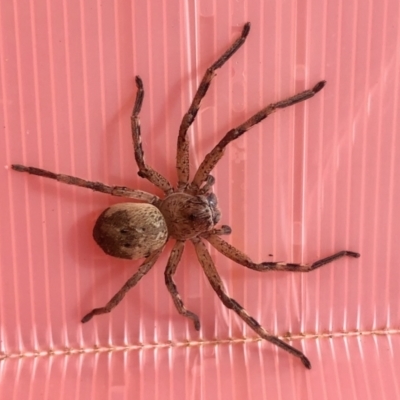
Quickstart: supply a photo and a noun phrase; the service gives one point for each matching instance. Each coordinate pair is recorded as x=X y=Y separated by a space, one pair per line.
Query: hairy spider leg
x=216 y=283
x=145 y=171
x=237 y=256
x=212 y=158
x=120 y=191
x=173 y=262
x=130 y=283
x=170 y=270
x=182 y=156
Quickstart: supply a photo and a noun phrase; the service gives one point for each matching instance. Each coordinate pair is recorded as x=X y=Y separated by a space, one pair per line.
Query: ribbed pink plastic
x=313 y=179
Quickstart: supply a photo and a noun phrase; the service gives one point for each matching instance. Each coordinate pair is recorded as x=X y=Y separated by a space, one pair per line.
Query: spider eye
x=212 y=200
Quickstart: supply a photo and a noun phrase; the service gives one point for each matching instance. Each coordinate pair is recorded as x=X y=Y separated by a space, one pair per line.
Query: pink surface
x=310 y=180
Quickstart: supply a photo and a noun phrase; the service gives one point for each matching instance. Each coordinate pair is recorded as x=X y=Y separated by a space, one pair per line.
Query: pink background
x=310 y=180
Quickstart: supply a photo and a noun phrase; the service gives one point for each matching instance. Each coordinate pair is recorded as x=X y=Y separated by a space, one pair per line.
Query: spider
x=187 y=212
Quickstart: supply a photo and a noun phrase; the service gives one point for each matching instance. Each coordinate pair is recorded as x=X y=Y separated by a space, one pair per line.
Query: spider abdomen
x=130 y=230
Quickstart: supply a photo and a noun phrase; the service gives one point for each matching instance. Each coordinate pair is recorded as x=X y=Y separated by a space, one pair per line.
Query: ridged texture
x=313 y=179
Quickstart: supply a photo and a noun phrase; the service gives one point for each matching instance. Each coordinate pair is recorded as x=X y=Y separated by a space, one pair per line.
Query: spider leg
x=130 y=283
x=236 y=255
x=216 y=283
x=212 y=158
x=145 y=171
x=121 y=191
x=173 y=262
x=182 y=157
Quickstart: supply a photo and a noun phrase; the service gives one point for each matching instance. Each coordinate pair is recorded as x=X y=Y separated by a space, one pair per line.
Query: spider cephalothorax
x=188 y=216
x=187 y=212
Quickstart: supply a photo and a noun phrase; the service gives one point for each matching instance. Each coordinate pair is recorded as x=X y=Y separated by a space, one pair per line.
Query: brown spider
x=188 y=212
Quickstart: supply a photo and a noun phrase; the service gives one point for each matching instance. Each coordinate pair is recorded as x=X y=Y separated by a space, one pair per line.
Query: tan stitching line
x=105 y=349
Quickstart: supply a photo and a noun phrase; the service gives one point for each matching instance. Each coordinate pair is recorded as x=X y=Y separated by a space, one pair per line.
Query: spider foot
x=19 y=168
x=319 y=86
x=305 y=361
x=99 y=311
x=87 y=317
x=192 y=316
x=246 y=29
x=352 y=254
x=196 y=323
x=139 y=82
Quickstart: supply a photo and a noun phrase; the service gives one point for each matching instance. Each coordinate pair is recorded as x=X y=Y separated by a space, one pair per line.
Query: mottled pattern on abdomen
x=130 y=230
